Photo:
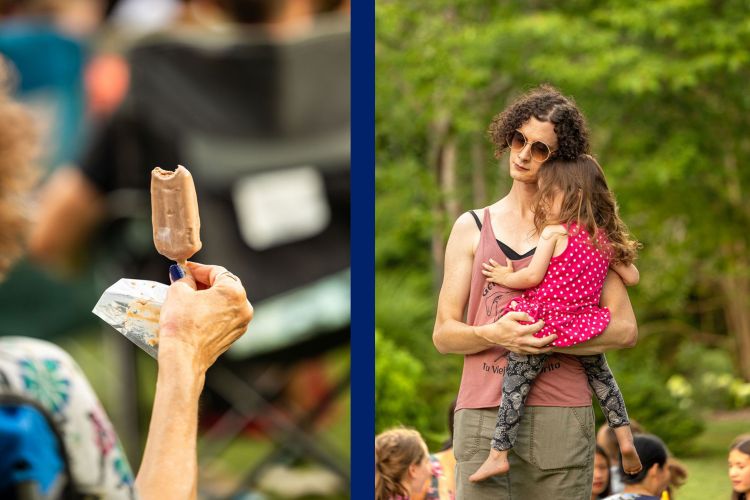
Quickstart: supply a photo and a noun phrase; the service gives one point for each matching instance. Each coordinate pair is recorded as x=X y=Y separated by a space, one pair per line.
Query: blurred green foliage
x=663 y=86
x=397 y=376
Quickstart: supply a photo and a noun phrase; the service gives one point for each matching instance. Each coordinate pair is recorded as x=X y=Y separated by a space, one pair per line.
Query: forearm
x=521 y=279
x=621 y=333
x=169 y=468
x=598 y=345
x=454 y=337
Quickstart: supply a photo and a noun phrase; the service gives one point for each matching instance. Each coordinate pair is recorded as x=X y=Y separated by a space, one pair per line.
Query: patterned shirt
x=43 y=372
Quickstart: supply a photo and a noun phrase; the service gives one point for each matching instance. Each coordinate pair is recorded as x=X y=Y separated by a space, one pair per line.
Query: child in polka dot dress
x=581 y=237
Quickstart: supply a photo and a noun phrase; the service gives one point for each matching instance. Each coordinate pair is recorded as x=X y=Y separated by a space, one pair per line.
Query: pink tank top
x=562 y=381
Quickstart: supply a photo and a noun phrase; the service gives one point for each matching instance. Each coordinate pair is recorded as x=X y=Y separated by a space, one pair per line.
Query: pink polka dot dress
x=567 y=299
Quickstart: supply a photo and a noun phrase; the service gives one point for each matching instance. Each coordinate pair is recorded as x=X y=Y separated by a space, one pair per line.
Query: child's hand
x=495 y=272
x=629 y=274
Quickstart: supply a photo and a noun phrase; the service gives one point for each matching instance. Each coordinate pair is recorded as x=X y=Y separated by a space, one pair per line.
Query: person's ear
x=653 y=470
x=413 y=470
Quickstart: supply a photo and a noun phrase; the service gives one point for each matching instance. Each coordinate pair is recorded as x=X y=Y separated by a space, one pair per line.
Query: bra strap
x=476 y=218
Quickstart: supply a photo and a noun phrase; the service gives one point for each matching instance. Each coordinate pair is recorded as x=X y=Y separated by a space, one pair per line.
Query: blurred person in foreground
x=469 y=321
x=201 y=317
x=402 y=465
x=442 y=483
x=739 y=467
x=607 y=442
x=600 y=487
x=653 y=479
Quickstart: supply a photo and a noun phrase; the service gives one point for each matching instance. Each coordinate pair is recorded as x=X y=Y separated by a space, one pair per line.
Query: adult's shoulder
x=467 y=221
x=465 y=233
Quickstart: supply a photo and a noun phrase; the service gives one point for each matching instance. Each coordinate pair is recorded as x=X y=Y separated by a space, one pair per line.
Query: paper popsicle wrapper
x=132 y=307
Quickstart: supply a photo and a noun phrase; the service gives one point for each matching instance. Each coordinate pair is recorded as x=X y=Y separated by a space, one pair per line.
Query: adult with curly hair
x=554 y=452
x=18 y=145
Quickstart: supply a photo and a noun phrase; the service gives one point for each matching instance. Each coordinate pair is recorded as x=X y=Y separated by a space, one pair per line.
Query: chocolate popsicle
x=174 y=214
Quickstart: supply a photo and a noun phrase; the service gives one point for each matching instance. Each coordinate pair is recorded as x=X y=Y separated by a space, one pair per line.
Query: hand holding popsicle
x=197 y=324
x=174 y=214
x=205 y=312
x=206 y=308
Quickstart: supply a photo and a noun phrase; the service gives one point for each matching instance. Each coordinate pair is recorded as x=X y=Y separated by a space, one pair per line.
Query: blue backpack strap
x=33 y=461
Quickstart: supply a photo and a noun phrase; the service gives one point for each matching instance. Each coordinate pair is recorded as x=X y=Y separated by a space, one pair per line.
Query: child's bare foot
x=631 y=464
x=496 y=464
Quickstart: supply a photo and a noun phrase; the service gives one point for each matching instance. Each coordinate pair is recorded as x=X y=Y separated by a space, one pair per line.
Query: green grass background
x=707 y=469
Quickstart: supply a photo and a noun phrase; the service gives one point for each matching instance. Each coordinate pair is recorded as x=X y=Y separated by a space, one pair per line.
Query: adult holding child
x=558 y=461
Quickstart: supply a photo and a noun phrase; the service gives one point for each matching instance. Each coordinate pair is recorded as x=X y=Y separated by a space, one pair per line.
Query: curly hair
x=587 y=201
x=18 y=150
x=395 y=450
x=546 y=104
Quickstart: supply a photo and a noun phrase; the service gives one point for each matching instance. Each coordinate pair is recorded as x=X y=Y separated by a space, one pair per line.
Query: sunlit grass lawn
x=707 y=470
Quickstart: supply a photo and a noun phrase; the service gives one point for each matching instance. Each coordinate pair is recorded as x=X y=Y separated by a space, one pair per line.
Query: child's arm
x=533 y=274
x=629 y=274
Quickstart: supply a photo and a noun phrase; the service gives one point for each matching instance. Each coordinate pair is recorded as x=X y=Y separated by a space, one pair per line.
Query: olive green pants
x=553 y=457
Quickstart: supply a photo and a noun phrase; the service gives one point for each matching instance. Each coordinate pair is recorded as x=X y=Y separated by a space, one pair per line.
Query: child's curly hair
x=18 y=150
x=547 y=104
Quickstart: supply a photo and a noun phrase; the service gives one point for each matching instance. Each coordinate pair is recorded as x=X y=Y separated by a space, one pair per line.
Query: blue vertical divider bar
x=363 y=248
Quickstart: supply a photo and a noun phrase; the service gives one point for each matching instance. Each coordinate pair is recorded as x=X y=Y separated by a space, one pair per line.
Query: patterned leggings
x=521 y=372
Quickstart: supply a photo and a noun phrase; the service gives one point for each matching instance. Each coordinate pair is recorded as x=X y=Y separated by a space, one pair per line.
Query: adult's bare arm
x=451 y=334
x=622 y=331
x=196 y=326
x=69 y=207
